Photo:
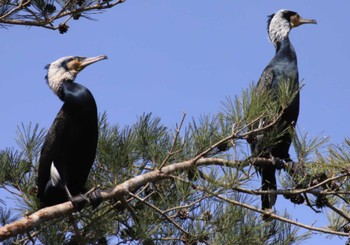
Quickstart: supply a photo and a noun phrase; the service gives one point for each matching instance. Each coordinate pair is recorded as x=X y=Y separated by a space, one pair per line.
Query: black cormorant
x=70 y=146
x=282 y=67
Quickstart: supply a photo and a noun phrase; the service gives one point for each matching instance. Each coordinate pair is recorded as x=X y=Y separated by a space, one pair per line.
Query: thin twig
x=64 y=8
x=283 y=219
x=272 y=215
x=257 y=130
x=185 y=206
x=130 y=209
x=324 y=182
x=235 y=136
x=19 y=7
x=77 y=232
x=171 y=152
x=308 y=203
x=162 y=213
x=339 y=211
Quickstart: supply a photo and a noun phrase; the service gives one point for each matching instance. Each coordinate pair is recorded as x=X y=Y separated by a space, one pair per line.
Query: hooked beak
x=297 y=21
x=307 y=21
x=89 y=61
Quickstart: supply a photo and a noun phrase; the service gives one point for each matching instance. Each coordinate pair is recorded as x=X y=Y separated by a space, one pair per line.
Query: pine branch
x=121 y=190
x=124 y=189
x=283 y=219
x=273 y=215
x=24 y=14
x=339 y=212
x=21 y=5
x=64 y=209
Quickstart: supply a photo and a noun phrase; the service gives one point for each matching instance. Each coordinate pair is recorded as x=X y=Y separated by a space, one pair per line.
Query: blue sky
x=170 y=57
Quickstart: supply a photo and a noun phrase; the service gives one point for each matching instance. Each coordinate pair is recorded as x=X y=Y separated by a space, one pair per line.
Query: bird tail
x=268 y=182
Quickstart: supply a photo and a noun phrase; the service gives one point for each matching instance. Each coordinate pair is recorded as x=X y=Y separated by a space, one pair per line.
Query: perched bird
x=282 y=68
x=70 y=145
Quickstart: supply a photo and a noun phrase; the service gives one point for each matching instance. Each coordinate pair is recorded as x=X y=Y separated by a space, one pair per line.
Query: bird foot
x=79 y=202
x=267 y=215
x=277 y=162
x=95 y=197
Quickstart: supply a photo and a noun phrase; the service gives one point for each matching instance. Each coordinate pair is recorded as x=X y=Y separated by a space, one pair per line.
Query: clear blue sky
x=170 y=57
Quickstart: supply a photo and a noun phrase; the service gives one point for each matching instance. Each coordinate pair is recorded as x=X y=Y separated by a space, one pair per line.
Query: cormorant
x=69 y=149
x=282 y=68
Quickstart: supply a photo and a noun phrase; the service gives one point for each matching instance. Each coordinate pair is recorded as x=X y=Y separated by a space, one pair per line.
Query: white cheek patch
x=54 y=79
x=279 y=27
x=57 y=73
x=55 y=176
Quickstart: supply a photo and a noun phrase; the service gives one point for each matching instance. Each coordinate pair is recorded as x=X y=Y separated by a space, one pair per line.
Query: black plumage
x=282 y=68
x=70 y=146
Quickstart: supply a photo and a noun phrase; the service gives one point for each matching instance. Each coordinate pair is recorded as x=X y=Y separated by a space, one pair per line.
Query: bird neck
x=285 y=42
x=286 y=48
x=56 y=77
x=76 y=94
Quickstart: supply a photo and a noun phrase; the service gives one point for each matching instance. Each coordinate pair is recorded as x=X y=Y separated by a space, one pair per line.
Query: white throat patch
x=279 y=27
x=57 y=73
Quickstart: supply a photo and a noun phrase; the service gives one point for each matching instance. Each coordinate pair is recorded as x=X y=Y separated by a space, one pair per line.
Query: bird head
x=66 y=69
x=280 y=23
